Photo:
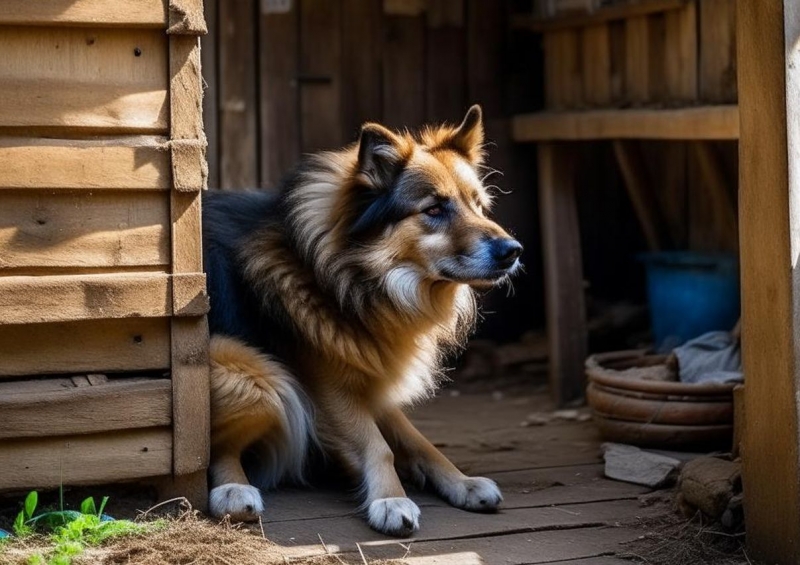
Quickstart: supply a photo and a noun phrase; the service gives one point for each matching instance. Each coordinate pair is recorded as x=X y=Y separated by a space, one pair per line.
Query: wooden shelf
x=601 y=15
x=700 y=123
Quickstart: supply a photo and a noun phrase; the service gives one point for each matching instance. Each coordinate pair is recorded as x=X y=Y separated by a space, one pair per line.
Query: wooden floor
x=558 y=508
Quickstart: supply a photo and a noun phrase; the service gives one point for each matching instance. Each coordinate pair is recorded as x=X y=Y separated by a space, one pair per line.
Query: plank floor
x=558 y=507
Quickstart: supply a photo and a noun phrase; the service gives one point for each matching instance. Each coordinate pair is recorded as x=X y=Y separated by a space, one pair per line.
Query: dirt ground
x=558 y=507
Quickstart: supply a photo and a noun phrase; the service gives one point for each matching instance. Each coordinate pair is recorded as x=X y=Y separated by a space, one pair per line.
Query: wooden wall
x=288 y=77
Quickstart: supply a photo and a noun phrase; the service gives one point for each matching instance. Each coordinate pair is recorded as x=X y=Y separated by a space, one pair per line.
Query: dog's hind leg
x=254 y=404
x=427 y=465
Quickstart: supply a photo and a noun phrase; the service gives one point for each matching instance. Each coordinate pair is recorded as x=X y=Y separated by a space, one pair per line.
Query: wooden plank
x=566 y=313
x=320 y=75
x=640 y=191
x=769 y=100
x=705 y=122
x=571 y=546
x=658 y=48
x=280 y=97
x=50 y=77
x=209 y=52
x=362 y=39
x=617 y=41
x=563 y=68
x=446 y=60
x=446 y=523
x=486 y=22
x=60 y=230
x=91 y=108
x=116 y=405
x=716 y=206
x=637 y=60
x=61 y=298
x=100 y=13
x=681 y=56
x=670 y=161
x=403 y=71
x=134 y=344
x=140 y=163
x=186 y=90
x=189 y=336
x=76 y=460
x=622 y=11
x=596 y=59
x=718 y=51
x=190 y=395
x=530 y=488
x=238 y=110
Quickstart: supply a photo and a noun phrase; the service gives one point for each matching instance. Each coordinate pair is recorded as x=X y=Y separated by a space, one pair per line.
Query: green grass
x=69 y=532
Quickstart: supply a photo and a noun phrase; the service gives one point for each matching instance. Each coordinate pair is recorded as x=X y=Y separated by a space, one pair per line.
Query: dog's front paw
x=394 y=516
x=243 y=503
x=476 y=494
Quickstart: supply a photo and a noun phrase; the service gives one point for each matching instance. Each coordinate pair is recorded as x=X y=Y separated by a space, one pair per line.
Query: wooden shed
x=103 y=338
x=624 y=125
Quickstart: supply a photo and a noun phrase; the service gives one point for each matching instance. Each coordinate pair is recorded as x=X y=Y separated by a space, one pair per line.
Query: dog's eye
x=434 y=211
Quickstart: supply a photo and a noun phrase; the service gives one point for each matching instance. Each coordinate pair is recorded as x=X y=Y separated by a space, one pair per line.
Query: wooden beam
x=61 y=229
x=61 y=298
x=640 y=191
x=105 y=13
x=59 y=86
x=139 y=162
x=119 y=404
x=706 y=122
x=602 y=15
x=132 y=344
x=716 y=190
x=97 y=458
x=563 y=271
x=190 y=385
x=769 y=217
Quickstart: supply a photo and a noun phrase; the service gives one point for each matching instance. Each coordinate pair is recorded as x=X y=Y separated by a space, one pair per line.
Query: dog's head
x=421 y=207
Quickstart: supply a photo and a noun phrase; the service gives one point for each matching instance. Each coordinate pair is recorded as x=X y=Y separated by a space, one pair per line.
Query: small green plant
x=21 y=527
x=71 y=531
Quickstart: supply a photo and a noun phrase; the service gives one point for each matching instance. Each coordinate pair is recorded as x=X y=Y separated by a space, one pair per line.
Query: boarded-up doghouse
x=103 y=338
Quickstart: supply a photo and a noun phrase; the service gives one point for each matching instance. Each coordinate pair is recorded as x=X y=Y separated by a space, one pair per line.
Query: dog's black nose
x=506 y=251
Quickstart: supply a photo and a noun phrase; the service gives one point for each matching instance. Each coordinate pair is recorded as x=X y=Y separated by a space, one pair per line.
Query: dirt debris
x=187 y=539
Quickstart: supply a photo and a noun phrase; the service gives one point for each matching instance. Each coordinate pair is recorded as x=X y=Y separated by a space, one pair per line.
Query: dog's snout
x=506 y=251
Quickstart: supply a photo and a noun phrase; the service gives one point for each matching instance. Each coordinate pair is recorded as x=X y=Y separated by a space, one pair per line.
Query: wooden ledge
x=599 y=16
x=698 y=123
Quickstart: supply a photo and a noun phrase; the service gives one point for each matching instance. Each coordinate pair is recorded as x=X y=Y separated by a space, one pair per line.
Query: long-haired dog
x=333 y=304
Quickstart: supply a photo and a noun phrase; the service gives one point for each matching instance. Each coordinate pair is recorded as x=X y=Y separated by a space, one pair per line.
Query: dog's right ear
x=379 y=155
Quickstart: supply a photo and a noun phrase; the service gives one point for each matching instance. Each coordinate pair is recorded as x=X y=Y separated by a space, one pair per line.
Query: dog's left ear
x=468 y=137
x=379 y=155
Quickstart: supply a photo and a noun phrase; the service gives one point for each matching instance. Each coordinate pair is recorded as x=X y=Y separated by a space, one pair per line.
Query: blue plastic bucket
x=690 y=294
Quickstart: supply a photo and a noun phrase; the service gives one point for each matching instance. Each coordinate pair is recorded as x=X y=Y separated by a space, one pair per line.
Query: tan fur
x=372 y=321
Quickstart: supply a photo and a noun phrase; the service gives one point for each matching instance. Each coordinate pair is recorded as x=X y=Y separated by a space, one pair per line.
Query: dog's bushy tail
x=248 y=385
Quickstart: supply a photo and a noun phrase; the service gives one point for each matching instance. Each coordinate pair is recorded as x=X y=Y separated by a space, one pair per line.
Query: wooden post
x=769 y=220
x=563 y=270
x=189 y=332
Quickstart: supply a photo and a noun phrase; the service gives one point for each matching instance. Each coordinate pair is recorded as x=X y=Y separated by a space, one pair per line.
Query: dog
x=333 y=305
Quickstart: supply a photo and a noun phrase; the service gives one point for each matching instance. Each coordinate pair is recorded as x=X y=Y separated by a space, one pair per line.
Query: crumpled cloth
x=714 y=357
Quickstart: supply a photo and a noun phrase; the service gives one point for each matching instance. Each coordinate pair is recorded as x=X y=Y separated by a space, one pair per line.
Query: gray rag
x=711 y=358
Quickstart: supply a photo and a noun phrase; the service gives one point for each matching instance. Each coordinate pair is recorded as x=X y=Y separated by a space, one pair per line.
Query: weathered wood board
x=137 y=162
x=63 y=229
x=100 y=79
x=114 y=405
x=130 y=344
x=96 y=458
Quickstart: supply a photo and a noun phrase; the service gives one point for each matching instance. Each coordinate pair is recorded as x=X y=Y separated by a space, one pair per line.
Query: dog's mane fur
x=305 y=276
